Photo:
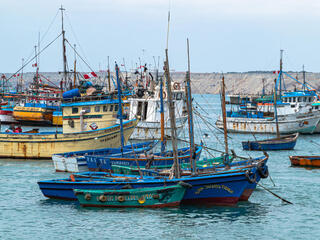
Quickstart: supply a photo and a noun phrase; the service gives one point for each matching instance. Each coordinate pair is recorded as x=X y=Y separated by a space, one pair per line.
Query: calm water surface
x=26 y=214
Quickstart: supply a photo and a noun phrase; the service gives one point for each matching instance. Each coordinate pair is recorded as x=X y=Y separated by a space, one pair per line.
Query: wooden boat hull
x=306 y=124
x=305 y=161
x=33 y=115
x=76 y=161
x=44 y=145
x=6 y=116
x=155 y=197
x=221 y=189
x=284 y=143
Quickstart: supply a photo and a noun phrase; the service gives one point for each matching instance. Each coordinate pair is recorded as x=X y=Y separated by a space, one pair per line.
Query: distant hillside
x=236 y=82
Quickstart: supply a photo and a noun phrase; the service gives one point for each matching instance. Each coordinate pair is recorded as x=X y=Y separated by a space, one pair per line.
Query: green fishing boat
x=154 y=197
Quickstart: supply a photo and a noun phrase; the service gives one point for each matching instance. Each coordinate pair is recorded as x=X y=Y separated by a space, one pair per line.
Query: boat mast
x=120 y=107
x=275 y=107
x=63 y=49
x=109 y=85
x=224 y=117
x=163 y=145
x=175 y=166
x=75 y=67
x=280 y=82
x=190 y=116
x=304 y=78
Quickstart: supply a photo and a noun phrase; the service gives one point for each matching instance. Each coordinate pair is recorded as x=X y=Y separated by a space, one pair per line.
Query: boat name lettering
x=213 y=186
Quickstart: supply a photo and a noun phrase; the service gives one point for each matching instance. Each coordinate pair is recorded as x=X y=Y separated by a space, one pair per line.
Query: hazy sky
x=225 y=35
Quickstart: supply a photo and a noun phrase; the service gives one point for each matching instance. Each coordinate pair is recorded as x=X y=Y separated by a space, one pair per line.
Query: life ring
x=87 y=196
x=251 y=177
x=164 y=94
x=102 y=198
x=71 y=123
x=263 y=171
x=176 y=86
x=121 y=198
x=72 y=178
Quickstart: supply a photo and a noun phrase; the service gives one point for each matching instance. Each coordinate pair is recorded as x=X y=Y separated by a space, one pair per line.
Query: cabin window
x=304 y=99
x=299 y=99
x=111 y=108
x=316 y=107
x=284 y=99
x=75 y=110
x=87 y=109
x=145 y=110
x=116 y=108
x=289 y=99
x=293 y=99
x=97 y=108
x=310 y=99
x=179 y=96
x=105 y=108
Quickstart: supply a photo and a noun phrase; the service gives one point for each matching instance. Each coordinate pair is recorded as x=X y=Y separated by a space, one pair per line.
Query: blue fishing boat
x=286 y=142
x=76 y=161
x=149 y=161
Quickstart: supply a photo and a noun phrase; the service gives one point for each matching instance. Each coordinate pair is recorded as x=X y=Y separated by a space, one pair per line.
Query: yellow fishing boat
x=35 y=115
x=86 y=125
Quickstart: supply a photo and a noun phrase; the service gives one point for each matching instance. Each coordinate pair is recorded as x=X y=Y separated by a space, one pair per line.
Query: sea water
x=26 y=214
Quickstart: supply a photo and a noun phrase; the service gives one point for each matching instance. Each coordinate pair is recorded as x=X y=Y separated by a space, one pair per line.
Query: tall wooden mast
x=190 y=115
x=275 y=106
x=109 y=84
x=280 y=82
x=120 y=107
x=175 y=167
x=63 y=49
x=75 y=67
x=224 y=117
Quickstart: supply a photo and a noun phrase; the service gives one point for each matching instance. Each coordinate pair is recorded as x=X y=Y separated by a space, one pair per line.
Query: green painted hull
x=154 y=197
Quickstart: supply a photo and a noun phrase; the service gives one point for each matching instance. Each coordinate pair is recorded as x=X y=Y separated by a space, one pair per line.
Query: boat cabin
x=79 y=116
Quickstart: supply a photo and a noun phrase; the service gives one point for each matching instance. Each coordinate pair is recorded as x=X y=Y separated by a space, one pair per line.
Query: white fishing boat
x=146 y=107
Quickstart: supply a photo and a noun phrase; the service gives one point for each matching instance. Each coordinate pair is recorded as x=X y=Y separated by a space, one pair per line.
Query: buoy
x=176 y=86
x=102 y=198
x=121 y=199
x=87 y=196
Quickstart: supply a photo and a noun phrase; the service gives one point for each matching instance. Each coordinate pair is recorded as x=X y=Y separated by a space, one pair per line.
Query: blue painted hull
x=103 y=163
x=268 y=146
x=220 y=189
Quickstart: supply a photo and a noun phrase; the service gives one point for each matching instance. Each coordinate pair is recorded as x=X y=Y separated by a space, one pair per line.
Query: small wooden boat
x=76 y=161
x=305 y=161
x=286 y=142
x=152 y=197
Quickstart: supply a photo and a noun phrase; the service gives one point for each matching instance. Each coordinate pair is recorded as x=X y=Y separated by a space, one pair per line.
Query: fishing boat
x=76 y=161
x=155 y=197
x=305 y=161
x=295 y=113
x=147 y=108
x=286 y=142
x=83 y=129
x=135 y=160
